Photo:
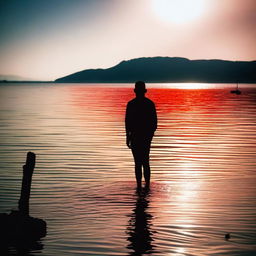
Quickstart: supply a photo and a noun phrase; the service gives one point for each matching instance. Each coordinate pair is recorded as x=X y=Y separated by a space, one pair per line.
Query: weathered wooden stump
x=28 y=170
x=18 y=226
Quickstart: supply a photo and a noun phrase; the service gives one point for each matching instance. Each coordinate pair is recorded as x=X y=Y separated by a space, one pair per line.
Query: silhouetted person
x=140 y=124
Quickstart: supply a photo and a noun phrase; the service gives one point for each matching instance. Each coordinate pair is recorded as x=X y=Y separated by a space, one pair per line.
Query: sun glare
x=178 y=11
x=187 y=85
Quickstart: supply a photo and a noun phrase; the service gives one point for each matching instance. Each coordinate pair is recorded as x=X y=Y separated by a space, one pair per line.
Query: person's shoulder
x=149 y=101
x=131 y=102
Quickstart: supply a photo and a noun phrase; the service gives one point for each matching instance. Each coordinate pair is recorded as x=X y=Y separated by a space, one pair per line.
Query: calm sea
x=203 y=162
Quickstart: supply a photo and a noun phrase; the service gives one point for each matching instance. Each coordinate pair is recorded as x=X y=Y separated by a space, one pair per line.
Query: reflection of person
x=140 y=124
x=140 y=235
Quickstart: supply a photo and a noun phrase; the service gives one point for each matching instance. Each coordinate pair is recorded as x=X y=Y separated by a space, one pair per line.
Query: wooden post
x=28 y=169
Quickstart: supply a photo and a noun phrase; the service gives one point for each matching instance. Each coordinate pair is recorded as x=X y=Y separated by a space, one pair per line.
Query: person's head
x=140 y=88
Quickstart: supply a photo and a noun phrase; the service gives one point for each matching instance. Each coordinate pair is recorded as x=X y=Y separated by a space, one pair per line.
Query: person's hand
x=128 y=142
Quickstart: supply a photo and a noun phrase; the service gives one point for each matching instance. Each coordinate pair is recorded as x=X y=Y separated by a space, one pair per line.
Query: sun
x=179 y=11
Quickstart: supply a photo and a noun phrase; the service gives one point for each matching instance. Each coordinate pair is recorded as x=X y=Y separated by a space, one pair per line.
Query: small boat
x=236 y=91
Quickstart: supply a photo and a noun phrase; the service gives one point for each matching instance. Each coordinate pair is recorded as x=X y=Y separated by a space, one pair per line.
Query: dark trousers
x=140 y=149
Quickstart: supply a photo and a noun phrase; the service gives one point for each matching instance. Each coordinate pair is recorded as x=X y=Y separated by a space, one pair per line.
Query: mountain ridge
x=168 y=69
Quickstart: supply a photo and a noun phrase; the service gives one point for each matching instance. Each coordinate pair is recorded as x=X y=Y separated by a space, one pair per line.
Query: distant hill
x=14 y=78
x=167 y=69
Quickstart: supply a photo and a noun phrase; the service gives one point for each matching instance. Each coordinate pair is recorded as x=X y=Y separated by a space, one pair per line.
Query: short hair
x=140 y=86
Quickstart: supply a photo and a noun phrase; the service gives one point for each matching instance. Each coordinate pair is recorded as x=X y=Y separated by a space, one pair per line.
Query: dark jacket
x=141 y=117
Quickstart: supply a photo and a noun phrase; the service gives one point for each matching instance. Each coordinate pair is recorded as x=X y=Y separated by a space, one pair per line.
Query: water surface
x=203 y=162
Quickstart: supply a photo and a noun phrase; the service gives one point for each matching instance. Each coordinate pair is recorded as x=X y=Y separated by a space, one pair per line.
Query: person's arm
x=154 y=115
x=127 y=127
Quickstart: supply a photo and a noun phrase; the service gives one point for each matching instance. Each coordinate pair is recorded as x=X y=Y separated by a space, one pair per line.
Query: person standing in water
x=140 y=124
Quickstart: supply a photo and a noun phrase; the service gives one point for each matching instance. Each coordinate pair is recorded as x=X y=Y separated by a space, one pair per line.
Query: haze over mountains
x=14 y=78
x=167 y=69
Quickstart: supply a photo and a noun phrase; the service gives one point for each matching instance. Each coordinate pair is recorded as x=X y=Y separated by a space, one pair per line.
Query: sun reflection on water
x=186 y=85
x=180 y=251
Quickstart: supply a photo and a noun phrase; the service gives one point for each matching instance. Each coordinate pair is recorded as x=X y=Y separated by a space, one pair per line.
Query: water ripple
x=203 y=160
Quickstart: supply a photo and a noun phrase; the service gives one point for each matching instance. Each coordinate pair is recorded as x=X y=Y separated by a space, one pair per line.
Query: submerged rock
x=18 y=228
x=227 y=236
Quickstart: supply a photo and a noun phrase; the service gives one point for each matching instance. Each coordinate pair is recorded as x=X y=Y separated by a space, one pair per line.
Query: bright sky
x=47 y=39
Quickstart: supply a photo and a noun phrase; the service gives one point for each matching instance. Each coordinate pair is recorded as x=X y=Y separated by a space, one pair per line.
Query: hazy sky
x=47 y=39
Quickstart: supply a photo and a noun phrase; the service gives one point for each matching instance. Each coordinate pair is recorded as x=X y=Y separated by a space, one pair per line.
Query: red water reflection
x=114 y=100
x=185 y=100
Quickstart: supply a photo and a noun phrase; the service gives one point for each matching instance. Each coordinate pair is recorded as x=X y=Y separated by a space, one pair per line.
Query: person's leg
x=147 y=174
x=146 y=165
x=146 y=169
x=138 y=174
x=138 y=165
